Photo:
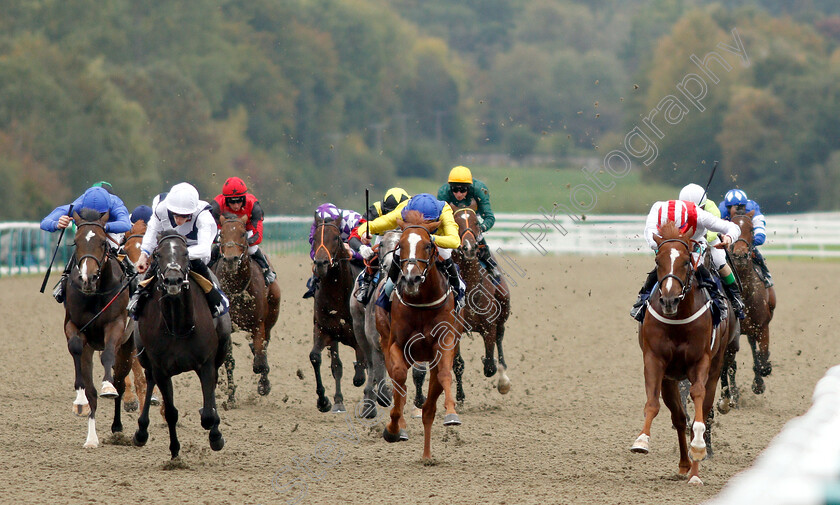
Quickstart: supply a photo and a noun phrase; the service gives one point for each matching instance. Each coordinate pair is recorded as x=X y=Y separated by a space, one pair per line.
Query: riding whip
x=47 y=276
x=706 y=189
x=367 y=206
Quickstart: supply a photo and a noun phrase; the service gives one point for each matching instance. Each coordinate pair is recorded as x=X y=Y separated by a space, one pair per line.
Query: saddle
x=713 y=289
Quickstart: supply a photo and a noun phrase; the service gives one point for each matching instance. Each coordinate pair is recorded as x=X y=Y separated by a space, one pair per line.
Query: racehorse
x=131 y=401
x=421 y=327
x=177 y=334
x=95 y=319
x=254 y=307
x=679 y=341
x=760 y=301
x=364 y=326
x=332 y=320
x=486 y=310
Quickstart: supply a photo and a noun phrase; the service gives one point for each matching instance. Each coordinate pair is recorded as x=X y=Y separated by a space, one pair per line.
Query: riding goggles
x=233 y=200
x=458 y=188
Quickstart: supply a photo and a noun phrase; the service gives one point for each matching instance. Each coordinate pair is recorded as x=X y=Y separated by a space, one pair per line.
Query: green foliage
x=421 y=159
x=521 y=142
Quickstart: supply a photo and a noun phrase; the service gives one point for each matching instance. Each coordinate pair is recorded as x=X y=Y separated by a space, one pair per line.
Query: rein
x=186 y=282
x=122 y=288
x=321 y=245
x=415 y=261
x=467 y=230
x=684 y=285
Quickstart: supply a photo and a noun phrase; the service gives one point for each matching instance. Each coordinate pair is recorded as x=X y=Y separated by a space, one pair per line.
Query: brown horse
x=95 y=319
x=421 y=327
x=679 y=341
x=131 y=402
x=332 y=320
x=254 y=307
x=760 y=300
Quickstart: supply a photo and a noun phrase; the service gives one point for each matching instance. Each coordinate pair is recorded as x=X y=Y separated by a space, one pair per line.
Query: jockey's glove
x=253 y=239
x=366 y=252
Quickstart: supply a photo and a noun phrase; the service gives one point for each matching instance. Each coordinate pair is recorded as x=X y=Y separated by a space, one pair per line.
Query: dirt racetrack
x=562 y=435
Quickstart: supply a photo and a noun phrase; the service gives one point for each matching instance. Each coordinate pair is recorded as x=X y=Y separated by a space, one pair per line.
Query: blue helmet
x=141 y=213
x=96 y=198
x=735 y=197
x=425 y=204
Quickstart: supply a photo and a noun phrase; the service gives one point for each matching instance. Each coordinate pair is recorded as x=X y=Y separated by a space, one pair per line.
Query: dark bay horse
x=421 y=327
x=679 y=341
x=96 y=302
x=760 y=300
x=332 y=320
x=177 y=334
x=254 y=307
x=377 y=389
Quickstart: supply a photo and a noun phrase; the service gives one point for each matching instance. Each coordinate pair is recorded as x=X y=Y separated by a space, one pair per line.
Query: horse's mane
x=230 y=215
x=87 y=214
x=413 y=217
x=669 y=230
x=167 y=233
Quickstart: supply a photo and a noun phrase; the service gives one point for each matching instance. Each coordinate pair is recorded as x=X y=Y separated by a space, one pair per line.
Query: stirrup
x=58 y=292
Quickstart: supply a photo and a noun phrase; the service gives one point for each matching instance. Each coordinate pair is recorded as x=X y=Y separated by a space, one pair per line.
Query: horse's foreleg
x=337 y=370
x=207 y=374
x=489 y=358
x=76 y=345
x=672 y=397
x=398 y=370
x=261 y=360
x=703 y=397
x=654 y=371
x=142 y=433
x=92 y=440
x=170 y=413
x=458 y=367
x=429 y=410
x=763 y=340
x=113 y=335
x=122 y=367
x=758 y=380
x=447 y=351
x=139 y=381
x=418 y=376
x=504 y=381
x=230 y=364
x=315 y=358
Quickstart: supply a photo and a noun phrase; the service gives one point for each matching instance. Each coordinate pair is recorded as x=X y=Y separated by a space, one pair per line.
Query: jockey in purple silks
x=349 y=220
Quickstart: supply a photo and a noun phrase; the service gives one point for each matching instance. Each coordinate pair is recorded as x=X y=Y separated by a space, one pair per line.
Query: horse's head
x=133 y=240
x=387 y=246
x=468 y=229
x=172 y=258
x=233 y=240
x=742 y=248
x=417 y=251
x=673 y=266
x=91 y=248
x=327 y=244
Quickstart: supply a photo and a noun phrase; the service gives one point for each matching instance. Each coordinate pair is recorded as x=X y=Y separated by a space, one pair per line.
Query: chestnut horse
x=95 y=319
x=131 y=401
x=177 y=334
x=759 y=299
x=332 y=320
x=254 y=307
x=420 y=327
x=678 y=341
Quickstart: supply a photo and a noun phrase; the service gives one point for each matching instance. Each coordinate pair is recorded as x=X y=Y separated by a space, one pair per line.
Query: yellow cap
x=460 y=174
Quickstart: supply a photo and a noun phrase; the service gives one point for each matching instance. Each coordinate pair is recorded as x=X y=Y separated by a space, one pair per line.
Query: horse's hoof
x=641 y=445
x=140 y=438
x=324 y=404
x=264 y=386
x=154 y=401
x=695 y=480
x=338 y=408
x=81 y=410
x=359 y=379
x=108 y=390
x=217 y=444
x=723 y=406
x=393 y=437
x=131 y=406
x=504 y=387
x=451 y=420
x=369 y=410
x=91 y=445
x=403 y=435
x=758 y=386
x=767 y=369
x=383 y=397
x=417 y=413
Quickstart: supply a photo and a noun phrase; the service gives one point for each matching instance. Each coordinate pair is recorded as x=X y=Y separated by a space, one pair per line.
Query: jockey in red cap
x=235 y=199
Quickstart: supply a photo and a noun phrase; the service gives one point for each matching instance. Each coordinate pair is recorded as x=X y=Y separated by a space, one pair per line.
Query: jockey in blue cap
x=101 y=201
x=736 y=201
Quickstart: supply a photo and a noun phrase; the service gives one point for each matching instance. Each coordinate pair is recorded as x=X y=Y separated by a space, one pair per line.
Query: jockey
x=350 y=219
x=235 y=199
x=446 y=239
x=736 y=201
x=181 y=210
x=394 y=197
x=100 y=200
x=460 y=190
x=688 y=216
x=141 y=213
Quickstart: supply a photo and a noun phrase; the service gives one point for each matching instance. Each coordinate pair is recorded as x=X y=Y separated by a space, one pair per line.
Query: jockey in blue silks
x=736 y=200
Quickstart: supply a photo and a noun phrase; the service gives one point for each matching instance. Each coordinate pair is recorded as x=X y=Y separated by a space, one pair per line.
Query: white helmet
x=182 y=199
x=693 y=193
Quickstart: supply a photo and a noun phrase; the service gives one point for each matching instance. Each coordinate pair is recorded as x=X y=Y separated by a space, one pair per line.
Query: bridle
x=749 y=243
x=323 y=226
x=685 y=285
x=164 y=269
x=468 y=229
x=233 y=243
x=106 y=250
x=415 y=261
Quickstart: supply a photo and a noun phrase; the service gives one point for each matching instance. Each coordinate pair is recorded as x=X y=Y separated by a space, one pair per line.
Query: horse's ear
x=473 y=204
x=401 y=224
x=658 y=239
x=751 y=213
x=243 y=218
x=105 y=216
x=222 y=219
x=76 y=217
x=431 y=226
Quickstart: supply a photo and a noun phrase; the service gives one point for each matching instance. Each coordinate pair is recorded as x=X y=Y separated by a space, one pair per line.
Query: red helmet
x=234 y=187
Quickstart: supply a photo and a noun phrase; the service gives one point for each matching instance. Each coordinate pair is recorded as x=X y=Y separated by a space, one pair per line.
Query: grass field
x=525 y=189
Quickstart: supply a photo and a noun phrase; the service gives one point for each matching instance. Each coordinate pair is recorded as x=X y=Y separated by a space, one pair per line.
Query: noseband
x=684 y=285
x=415 y=261
x=322 y=226
x=468 y=229
x=233 y=243
x=105 y=248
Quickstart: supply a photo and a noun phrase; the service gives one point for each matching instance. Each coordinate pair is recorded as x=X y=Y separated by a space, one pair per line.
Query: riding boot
x=384 y=299
x=311 y=286
x=758 y=259
x=141 y=293
x=214 y=255
x=455 y=281
x=734 y=295
x=638 y=310
x=216 y=299
x=262 y=261
x=485 y=256
x=363 y=292
x=61 y=286
x=718 y=297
